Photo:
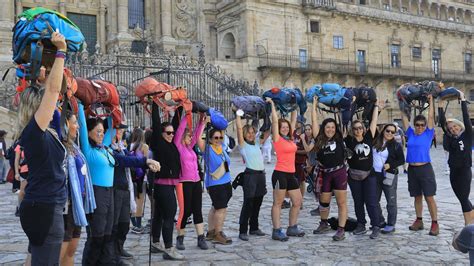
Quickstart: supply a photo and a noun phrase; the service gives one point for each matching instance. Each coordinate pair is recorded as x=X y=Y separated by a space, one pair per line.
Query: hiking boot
x=180 y=243
x=257 y=232
x=388 y=229
x=322 y=228
x=340 y=235
x=221 y=238
x=210 y=235
x=285 y=204
x=278 y=234
x=434 y=231
x=202 y=244
x=294 y=231
x=360 y=230
x=417 y=225
x=244 y=237
x=125 y=255
x=157 y=247
x=375 y=232
x=314 y=212
x=172 y=254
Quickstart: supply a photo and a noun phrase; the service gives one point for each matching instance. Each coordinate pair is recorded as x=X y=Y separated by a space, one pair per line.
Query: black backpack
x=231 y=142
x=10 y=153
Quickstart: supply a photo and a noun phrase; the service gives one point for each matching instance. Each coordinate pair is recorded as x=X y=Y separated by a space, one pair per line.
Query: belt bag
x=358 y=174
x=220 y=171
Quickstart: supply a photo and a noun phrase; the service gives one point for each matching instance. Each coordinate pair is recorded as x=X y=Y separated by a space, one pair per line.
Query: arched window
x=136 y=14
x=228 y=46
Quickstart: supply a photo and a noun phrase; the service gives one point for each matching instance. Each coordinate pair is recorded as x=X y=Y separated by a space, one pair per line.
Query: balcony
x=327 y=4
x=347 y=67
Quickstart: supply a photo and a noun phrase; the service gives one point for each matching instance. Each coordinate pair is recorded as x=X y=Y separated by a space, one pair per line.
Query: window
x=136 y=14
x=416 y=52
x=386 y=6
x=435 y=62
x=395 y=55
x=88 y=26
x=471 y=95
x=314 y=26
x=404 y=10
x=303 y=55
x=338 y=42
x=468 y=63
x=362 y=2
x=138 y=47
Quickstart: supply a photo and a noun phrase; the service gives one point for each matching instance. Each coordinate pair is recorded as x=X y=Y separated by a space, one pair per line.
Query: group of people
x=100 y=183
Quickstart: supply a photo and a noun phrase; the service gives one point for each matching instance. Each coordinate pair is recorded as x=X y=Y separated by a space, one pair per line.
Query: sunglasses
x=389 y=131
x=169 y=133
x=419 y=125
x=217 y=138
x=357 y=128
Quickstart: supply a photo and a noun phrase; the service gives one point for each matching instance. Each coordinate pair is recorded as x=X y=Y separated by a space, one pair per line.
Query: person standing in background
x=3 y=150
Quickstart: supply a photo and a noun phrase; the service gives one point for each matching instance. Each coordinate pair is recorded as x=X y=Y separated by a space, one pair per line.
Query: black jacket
x=395 y=157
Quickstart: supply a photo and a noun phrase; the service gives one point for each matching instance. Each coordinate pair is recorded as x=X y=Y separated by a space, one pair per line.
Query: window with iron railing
x=136 y=14
x=338 y=42
x=395 y=55
x=88 y=26
x=468 y=63
x=416 y=52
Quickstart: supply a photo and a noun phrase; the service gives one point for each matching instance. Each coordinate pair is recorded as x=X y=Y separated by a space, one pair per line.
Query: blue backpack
x=218 y=120
x=32 y=34
x=449 y=94
x=329 y=94
x=286 y=100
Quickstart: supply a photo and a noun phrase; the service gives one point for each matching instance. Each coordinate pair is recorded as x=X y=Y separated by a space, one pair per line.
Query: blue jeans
x=390 y=193
x=3 y=169
x=364 y=192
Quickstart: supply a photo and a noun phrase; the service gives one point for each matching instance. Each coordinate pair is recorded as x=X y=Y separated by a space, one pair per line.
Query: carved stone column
x=167 y=39
x=102 y=33
x=122 y=17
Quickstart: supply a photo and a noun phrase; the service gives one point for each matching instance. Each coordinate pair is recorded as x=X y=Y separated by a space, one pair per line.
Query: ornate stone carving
x=185 y=19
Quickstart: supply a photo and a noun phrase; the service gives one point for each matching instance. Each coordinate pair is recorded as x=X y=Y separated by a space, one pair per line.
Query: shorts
x=421 y=180
x=300 y=173
x=336 y=180
x=71 y=230
x=220 y=195
x=23 y=176
x=284 y=180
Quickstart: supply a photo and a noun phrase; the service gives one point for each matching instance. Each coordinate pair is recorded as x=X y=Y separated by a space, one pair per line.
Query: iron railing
x=348 y=66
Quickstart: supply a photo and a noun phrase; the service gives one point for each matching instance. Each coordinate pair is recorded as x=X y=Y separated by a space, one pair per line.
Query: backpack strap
x=35 y=60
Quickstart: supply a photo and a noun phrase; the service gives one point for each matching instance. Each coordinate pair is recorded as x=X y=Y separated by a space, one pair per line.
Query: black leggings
x=249 y=214
x=461 y=183
x=192 y=197
x=163 y=217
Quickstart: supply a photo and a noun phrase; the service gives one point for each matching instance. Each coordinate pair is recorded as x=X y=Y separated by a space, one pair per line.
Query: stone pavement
x=403 y=247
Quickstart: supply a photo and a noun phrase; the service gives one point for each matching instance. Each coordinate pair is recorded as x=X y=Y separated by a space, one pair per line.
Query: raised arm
x=53 y=85
x=405 y=121
x=240 y=133
x=156 y=126
x=442 y=116
x=266 y=134
x=109 y=133
x=199 y=129
x=373 y=122
x=275 y=129
x=314 y=118
x=180 y=132
x=465 y=116
x=293 y=118
x=307 y=147
x=431 y=112
x=83 y=136
x=201 y=142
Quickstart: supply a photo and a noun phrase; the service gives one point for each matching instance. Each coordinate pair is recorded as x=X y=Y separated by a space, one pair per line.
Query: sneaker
x=221 y=238
x=244 y=237
x=180 y=243
x=125 y=255
x=314 y=212
x=388 y=229
x=322 y=228
x=17 y=212
x=278 y=234
x=416 y=226
x=375 y=232
x=157 y=247
x=340 y=235
x=137 y=230
x=294 y=231
x=360 y=229
x=285 y=204
x=172 y=254
x=202 y=244
x=210 y=235
x=257 y=232
x=434 y=231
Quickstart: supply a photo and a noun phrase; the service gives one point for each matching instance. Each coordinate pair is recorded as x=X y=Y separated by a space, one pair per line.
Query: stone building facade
x=381 y=43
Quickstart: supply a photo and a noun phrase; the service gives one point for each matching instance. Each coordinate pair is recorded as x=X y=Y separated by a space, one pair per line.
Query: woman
x=217 y=181
x=331 y=156
x=362 y=183
x=459 y=143
x=387 y=157
x=80 y=193
x=421 y=177
x=167 y=154
x=41 y=211
x=283 y=177
x=189 y=189
x=301 y=157
x=3 y=161
x=254 y=183
x=139 y=148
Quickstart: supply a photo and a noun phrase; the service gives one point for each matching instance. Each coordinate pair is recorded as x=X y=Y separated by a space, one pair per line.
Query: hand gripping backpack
x=449 y=94
x=254 y=107
x=286 y=100
x=31 y=40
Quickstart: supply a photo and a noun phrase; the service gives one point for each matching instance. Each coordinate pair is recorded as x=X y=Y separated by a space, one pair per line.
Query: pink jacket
x=189 y=164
